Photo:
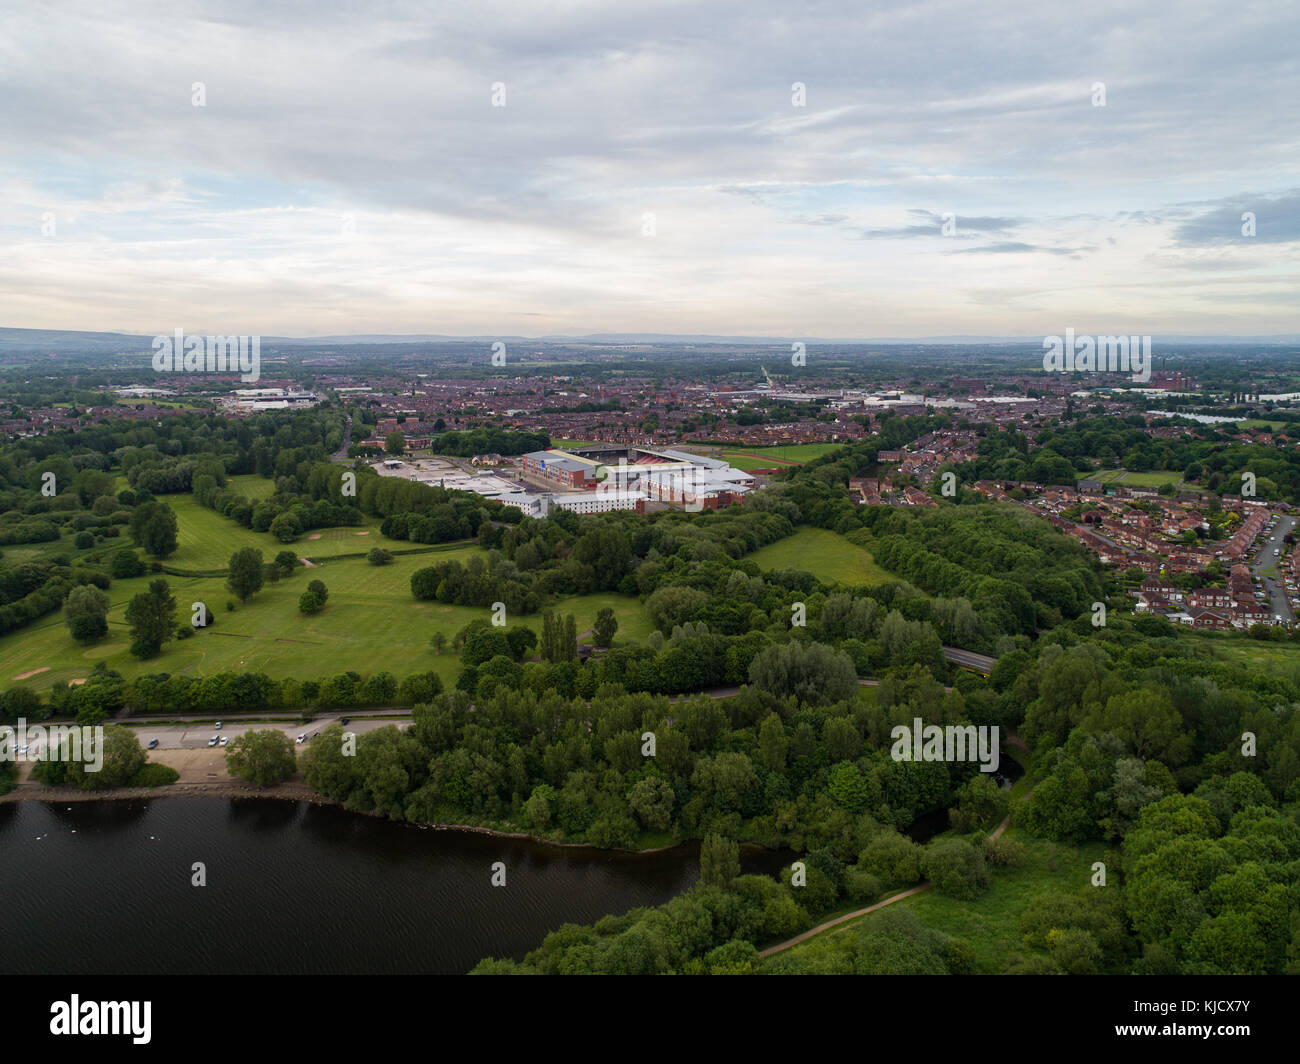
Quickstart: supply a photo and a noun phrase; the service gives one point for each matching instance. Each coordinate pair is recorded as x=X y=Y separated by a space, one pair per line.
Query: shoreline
x=26 y=791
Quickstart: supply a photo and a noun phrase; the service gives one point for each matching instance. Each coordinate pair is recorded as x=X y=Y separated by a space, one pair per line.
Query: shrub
x=956 y=868
x=155 y=775
x=1004 y=852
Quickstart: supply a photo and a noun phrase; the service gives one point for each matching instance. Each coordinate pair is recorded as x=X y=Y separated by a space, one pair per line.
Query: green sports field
x=828 y=556
x=1136 y=480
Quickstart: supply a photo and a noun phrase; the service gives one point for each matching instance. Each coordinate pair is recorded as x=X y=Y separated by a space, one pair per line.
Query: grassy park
x=828 y=556
x=370 y=622
x=1123 y=477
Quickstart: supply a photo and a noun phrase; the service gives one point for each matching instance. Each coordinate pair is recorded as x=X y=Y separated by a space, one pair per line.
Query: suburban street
x=1279 y=604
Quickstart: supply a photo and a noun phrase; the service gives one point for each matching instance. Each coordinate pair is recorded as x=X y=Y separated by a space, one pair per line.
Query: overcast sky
x=651 y=169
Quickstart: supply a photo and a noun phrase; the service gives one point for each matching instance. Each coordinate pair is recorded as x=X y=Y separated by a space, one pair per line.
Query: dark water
x=104 y=888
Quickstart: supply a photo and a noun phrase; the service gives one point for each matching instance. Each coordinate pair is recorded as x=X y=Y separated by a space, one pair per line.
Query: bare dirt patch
x=365 y=533
x=33 y=672
x=314 y=535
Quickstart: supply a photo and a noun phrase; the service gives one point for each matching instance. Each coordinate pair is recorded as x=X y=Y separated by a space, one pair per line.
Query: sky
x=839 y=169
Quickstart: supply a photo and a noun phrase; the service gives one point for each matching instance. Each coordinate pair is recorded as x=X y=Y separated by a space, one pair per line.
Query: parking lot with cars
x=199 y=734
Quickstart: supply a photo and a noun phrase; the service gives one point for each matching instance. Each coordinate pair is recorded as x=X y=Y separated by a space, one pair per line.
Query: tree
x=811 y=672
x=286 y=561
x=317 y=588
x=569 y=644
x=439 y=641
x=153 y=526
x=424 y=582
x=309 y=602
x=719 y=861
x=378 y=556
x=122 y=757
x=327 y=766
x=651 y=799
x=246 y=576
x=262 y=757
x=395 y=443
x=86 y=613
x=604 y=627
x=772 y=743
x=125 y=564
x=152 y=617
x=285 y=528
x=956 y=868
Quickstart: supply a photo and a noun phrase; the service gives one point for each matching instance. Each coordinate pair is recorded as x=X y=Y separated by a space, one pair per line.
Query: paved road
x=1279 y=604
x=342 y=453
x=979 y=662
x=196 y=734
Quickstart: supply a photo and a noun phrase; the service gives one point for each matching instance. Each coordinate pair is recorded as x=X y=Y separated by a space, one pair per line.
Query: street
x=1279 y=603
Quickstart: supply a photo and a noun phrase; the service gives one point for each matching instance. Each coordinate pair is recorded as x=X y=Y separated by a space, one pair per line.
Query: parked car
x=218 y=725
x=225 y=740
x=344 y=720
x=302 y=738
x=153 y=743
x=212 y=741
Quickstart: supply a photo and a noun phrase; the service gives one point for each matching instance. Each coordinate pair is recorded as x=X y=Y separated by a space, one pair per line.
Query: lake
x=104 y=887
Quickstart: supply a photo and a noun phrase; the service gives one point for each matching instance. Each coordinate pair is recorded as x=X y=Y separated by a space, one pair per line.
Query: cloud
x=768 y=216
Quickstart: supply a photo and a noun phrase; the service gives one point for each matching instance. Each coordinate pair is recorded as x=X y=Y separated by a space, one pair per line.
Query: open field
x=251 y=486
x=749 y=462
x=371 y=623
x=828 y=556
x=1282 y=658
x=1137 y=480
x=991 y=922
x=206 y=540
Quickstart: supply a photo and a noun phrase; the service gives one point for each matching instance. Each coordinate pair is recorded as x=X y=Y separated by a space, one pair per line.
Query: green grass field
x=750 y=462
x=1258 y=423
x=991 y=922
x=828 y=556
x=1281 y=658
x=1137 y=480
x=371 y=623
x=206 y=540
